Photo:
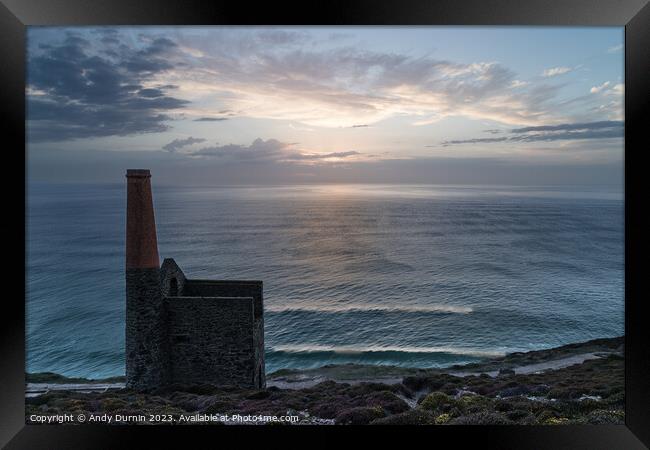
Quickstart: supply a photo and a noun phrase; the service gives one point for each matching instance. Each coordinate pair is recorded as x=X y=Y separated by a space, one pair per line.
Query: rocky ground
x=575 y=384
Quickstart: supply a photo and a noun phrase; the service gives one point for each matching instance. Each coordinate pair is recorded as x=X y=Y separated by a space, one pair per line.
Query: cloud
x=610 y=100
x=180 y=143
x=470 y=141
x=618 y=89
x=567 y=131
x=117 y=84
x=299 y=128
x=518 y=83
x=75 y=91
x=555 y=71
x=597 y=89
x=615 y=48
x=603 y=102
x=210 y=119
x=259 y=150
x=270 y=150
x=572 y=126
x=320 y=156
x=339 y=86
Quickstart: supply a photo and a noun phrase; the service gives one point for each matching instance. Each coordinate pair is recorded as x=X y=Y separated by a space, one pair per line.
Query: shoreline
x=534 y=361
x=574 y=384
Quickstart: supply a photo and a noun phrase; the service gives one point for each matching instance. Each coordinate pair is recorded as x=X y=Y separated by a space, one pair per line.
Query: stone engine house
x=181 y=330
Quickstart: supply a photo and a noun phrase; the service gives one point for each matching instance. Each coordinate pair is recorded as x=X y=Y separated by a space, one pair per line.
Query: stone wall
x=227 y=288
x=238 y=288
x=193 y=331
x=170 y=273
x=211 y=340
x=146 y=351
x=258 y=339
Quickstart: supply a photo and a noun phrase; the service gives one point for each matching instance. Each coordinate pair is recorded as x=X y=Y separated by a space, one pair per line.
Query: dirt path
x=36 y=389
x=554 y=364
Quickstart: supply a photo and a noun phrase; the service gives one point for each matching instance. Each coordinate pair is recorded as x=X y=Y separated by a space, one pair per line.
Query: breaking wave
x=366 y=307
x=314 y=356
x=356 y=350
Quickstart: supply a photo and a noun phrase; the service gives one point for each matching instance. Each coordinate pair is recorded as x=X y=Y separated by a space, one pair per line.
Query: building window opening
x=173 y=287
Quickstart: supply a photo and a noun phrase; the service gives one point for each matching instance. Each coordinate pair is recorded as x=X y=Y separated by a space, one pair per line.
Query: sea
x=405 y=275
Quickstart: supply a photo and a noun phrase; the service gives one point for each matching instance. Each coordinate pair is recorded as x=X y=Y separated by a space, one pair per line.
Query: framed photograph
x=393 y=218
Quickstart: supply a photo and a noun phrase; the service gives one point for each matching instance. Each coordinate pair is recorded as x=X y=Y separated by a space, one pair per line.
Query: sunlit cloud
x=273 y=151
x=617 y=89
x=610 y=100
x=597 y=89
x=555 y=71
x=342 y=87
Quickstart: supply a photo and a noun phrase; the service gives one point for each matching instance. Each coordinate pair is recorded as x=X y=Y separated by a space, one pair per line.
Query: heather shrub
x=411 y=417
x=482 y=418
x=436 y=401
x=359 y=416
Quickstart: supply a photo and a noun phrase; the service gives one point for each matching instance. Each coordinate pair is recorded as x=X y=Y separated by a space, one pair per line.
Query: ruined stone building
x=181 y=330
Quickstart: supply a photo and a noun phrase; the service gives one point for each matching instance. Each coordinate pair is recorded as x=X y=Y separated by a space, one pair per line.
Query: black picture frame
x=634 y=15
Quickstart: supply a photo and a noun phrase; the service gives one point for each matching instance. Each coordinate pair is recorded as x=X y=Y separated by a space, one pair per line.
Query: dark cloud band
x=563 y=132
x=76 y=90
x=180 y=143
x=210 y=119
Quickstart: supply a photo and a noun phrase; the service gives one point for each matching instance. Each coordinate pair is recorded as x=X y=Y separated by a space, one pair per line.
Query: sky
x=293 y=105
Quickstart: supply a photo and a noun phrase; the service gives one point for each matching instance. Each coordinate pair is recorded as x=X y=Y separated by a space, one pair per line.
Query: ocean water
x=419 y=276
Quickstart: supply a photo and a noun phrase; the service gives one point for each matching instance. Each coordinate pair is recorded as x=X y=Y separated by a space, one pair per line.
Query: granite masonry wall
x=172 y=279
x=146 y=346
x=238 y=288
x=211 y=340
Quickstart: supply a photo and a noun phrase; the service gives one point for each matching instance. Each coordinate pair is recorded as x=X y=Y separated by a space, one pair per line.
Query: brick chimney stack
x=146 y=355
x=141 y=241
